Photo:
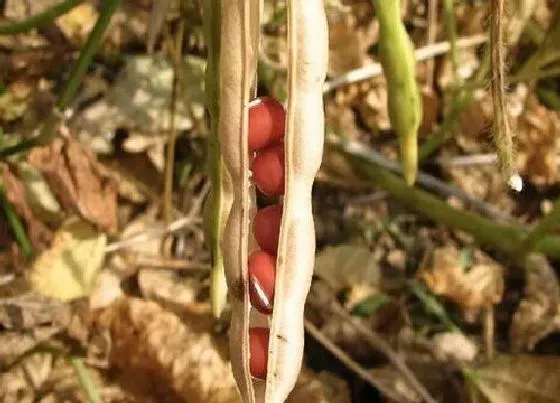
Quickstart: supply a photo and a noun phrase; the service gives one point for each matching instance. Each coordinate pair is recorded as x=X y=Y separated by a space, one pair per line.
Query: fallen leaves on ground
x=38 y=233
x=538 y=143
x=472 y=288
x=177 y=357
x=519 y=379
x=67 y=270
x=79 y=181
x=538 y=314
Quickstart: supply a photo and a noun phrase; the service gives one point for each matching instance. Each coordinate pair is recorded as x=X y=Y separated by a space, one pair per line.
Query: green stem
x=212 y=22
x=546 y=225
x=39 y=19
x=504 y=238
x=86 y=55
x=85 y=380
x=17 y=226
x=78 y=71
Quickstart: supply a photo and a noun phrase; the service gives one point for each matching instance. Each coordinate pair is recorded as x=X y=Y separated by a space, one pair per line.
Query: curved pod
x=238 y=40
x=303 y=152
x=307 y=63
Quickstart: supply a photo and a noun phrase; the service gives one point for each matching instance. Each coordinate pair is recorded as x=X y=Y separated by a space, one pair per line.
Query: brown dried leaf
x=538 y=143
x=348 y=42
x=169 y=358
x=68 y=269
x=39 y=234
x=479 y=286
x=346 y=266
x=159 y=355
x=79 y=181
x=538 y=313
x=30 y=310
x=519 y=379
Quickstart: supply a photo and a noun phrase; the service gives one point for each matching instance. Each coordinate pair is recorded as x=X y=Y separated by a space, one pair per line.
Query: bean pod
x=403 y=96
x=283 y=241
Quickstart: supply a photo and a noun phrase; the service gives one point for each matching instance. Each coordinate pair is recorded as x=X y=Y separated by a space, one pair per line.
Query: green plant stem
x=85 y=380
x=216 y=172
x=546 y=225
x=86 y=55
x=78 y=71
x=501 y=237
x=17 y=226
x=39 y=19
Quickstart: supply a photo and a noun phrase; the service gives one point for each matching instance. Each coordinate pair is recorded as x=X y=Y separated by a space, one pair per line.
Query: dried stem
x=348 y=361
x=503 y=138
x=175 y=48
x=379 y=344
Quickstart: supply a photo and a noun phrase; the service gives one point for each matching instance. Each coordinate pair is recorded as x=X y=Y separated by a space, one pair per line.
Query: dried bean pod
x=307 y=36
x=239 y=39
x=307 y=62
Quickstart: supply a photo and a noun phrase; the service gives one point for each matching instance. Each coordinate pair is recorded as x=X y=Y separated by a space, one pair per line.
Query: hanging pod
x=283 y=330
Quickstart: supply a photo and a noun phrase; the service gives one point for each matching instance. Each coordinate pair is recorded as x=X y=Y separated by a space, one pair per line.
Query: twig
x=468 y=160
x=425 y=53
x=348 y=361
x=170 y=264
x=157 y=18
x=379 y=344
x=191 y=219
x=39 y=19
x=175 y=48
x=501 y=126
x=432 y=15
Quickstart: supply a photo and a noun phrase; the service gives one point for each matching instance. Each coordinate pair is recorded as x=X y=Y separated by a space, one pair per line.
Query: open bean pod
x=303 y=145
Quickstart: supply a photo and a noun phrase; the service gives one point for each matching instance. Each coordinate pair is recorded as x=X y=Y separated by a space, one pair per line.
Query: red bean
x=266 y=227
x=268 y=170
x=262 y=272
x=266 y=123
x=258 y=347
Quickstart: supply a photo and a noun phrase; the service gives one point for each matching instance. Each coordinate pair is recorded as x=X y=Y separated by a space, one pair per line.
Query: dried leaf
x=472 y=288
x=41 y=199
x=538 y=314
x=159 y=355
x=79 y=181
x=519 y=379
x=346 y=266
x=78 y=23
x=31 y=310
x=139 y=100
x=538 y=143
x=68 y=269
x=348 y=43
x=39 y=234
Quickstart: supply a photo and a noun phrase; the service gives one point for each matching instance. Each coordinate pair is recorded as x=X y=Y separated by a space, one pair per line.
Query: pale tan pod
x=307 y=36
x=307 y=63
x=237 y=74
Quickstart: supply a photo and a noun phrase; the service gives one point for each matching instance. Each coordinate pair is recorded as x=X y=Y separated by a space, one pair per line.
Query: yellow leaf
x=68 y=269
